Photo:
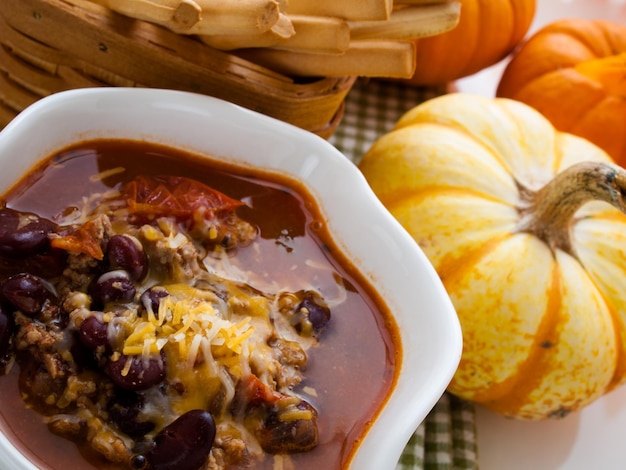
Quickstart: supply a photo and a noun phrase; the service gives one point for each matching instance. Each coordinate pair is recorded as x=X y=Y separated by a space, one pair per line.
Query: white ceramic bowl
x=362 y=227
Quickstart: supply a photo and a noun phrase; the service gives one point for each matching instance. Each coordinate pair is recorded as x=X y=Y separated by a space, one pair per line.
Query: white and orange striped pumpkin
x=525 y=226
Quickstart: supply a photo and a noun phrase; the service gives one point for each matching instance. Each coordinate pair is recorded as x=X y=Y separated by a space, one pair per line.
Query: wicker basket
x=47 y=46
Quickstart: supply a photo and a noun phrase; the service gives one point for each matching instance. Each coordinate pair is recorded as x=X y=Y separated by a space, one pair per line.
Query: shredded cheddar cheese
x=203 y=338
x=186 y=319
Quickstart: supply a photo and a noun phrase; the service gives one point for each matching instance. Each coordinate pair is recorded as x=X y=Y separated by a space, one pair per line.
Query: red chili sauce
x=351 y=369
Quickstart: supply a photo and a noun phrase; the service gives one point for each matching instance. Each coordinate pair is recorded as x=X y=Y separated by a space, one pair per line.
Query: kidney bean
x=124 y=411
x=47 y=264
x=184 y=444
x=113 y=286
x=19 y=237
x=152 y=297
x=318 y=315
x=93 y=332
x=6 y=326
x=26 y=292
x=140 y=375
x=84 y=357
x=126 y=252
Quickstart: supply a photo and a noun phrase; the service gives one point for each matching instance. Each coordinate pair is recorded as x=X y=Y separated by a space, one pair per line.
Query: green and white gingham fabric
x=371 y=109
x=446 y=440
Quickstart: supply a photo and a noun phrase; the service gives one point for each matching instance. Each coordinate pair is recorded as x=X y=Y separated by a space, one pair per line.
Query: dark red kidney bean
x=152 y=297
x=26 y=292
x=23 y=234
x=84 y=357
x=126 y=252
x=6 y=326
x=113 y=286
x=47 y=264
x=93 y=332
x=318 y=315
x=124 y=411
x=140 y=375
x=184 y=444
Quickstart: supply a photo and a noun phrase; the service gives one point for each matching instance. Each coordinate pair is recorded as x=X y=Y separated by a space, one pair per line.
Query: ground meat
x=108 y=443
x=227 y=231
x=39 y=387
x=85 y=426
x=79 y=271
x=78 y=386
x=177 y=256
x=69 y=426
x=227 y=452
x=290 y=352
x=33 y=333
x=102 y=227
x=51 y=380
x=54 y=365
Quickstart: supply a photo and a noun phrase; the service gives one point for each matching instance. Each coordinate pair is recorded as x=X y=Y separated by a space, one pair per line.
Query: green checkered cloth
x=446 y=440
x=371 y=110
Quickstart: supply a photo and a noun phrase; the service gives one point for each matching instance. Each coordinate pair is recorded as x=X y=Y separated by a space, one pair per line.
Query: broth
x=349 y=374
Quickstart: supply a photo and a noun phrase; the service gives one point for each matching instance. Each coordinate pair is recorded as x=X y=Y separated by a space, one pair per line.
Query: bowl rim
x=212 y=127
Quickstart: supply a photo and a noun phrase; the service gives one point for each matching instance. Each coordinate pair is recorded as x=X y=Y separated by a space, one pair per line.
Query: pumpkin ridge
x=521 y=10
x=465 y=133
x=451 y=268
x=585 y=112
x=608 y=71
x=588 y=33
x=523 y=189
x=619 y=372
x=508 y=397
x=524 y=66
x=606 y=31
x=597 y=126
x=584 y=40
x=616 y=44
x=495 y=35
x=399 y=198
x=551 y=106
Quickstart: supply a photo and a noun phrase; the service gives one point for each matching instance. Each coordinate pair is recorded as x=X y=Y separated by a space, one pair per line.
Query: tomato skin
x=83 y=240
x=175 y=196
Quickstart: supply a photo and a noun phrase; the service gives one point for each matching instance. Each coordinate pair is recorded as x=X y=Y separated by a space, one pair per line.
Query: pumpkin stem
x=551 y=210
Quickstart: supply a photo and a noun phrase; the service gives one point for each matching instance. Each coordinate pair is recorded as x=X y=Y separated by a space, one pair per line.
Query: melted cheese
x=187 y=318
x=205 y=340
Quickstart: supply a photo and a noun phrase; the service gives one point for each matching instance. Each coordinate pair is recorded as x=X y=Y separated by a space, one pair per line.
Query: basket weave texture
x=48 y=46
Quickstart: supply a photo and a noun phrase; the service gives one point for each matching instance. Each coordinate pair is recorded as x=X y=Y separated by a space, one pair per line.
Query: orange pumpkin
x=573 y=71
x=488 y=30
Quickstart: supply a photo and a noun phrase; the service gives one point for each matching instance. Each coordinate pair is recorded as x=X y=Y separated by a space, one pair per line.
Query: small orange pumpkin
x=573 y=71
x=488 y=30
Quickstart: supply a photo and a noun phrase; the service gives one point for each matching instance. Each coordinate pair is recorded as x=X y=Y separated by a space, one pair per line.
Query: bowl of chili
x=186 y=282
